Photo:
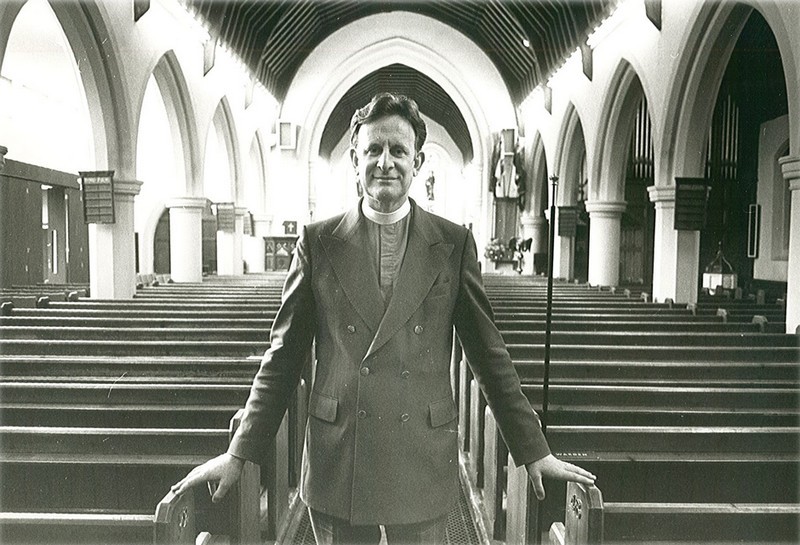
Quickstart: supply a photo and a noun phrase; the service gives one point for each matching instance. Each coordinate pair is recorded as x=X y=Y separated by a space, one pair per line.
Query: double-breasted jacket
x=381 y=441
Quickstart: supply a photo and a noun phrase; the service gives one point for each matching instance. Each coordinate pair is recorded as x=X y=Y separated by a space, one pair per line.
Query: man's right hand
x=222 y=472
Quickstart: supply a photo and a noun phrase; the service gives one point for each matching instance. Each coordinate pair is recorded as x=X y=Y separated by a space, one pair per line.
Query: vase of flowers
x=496 y=250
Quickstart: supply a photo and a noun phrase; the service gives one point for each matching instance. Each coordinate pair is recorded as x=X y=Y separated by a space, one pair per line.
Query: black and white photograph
x=399 y=272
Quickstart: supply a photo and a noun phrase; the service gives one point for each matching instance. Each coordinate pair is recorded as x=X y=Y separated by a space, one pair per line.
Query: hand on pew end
x=553 y=468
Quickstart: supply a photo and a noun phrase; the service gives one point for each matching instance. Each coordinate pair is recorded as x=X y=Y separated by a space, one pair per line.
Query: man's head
x=386 y=137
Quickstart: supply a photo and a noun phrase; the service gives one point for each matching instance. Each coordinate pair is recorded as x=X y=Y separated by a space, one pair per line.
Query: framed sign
x=97 y=193
x=226 y=217
x=247 y=223
x=567 y=221
x=691 y=196
x=290 y=227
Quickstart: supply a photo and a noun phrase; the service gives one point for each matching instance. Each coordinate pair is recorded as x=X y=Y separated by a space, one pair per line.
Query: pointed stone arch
x=616 y=123
x=223 y=123
x=538 y=174
x=570 y=156
x=93 y=44
x=180 y=113
x=256 y=187
x=690 y=104
x=571 y=252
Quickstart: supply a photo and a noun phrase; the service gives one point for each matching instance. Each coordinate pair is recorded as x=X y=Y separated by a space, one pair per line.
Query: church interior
x=629 y=170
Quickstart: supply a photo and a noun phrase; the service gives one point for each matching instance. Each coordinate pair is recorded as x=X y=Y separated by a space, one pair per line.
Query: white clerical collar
x=384 y=218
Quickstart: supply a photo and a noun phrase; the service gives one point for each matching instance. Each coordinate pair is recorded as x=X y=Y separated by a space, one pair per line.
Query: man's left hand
x=553 y=468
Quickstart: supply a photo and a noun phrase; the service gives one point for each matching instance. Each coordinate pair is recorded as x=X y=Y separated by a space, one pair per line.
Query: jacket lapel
x=426 y=254
x=348 y=252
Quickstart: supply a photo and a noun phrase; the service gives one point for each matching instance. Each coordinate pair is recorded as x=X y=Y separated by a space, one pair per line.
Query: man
x=379 y=289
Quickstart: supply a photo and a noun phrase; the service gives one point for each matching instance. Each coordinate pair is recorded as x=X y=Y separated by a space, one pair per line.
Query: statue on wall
x=429 y=186
x=508 y=176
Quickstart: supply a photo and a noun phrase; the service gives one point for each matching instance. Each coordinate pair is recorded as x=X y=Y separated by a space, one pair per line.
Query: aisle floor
x=461 y=528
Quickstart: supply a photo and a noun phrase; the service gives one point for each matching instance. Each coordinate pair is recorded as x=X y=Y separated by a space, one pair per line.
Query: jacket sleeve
x=279 y=373
x=492 y=366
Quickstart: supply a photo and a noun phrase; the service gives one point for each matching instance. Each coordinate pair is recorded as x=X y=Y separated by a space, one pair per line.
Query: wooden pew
x=618 y=410
x=93 y=485
x=112 y=321
x=666 y=465
x=258 y=336
x=690 y=338
x=79 y=456
x=591 y=521
x=77 y=368
x=153 y=347
x=689 y=324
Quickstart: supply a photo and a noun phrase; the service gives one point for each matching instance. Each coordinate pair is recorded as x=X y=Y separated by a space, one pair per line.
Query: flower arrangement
x=496 y=250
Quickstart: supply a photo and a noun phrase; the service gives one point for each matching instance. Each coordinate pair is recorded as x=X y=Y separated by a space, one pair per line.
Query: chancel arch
x=420 y=43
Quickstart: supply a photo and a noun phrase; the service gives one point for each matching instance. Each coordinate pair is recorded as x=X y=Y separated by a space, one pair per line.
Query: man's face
x=386 y=161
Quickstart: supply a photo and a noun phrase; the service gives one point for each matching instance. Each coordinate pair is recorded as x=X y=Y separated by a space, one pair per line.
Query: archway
x=222 y=184
x=571 y=259
x=624 y=172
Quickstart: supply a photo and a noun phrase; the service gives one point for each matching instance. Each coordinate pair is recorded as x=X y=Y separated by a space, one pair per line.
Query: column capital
x=262 y=218
x=662 y=196
x=790 y=166
x=240 y=210
x=186 y=202
x=608 y=209
x=129 y=188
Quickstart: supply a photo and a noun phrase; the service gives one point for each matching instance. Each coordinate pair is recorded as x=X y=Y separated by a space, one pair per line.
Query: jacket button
x=418 y=329
x=404 y=417
x=405 y=374
x=364 y=371
x=351 y=328
x=362 y=414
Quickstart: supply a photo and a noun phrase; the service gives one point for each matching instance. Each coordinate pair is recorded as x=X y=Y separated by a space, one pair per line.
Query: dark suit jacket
x=381 y=442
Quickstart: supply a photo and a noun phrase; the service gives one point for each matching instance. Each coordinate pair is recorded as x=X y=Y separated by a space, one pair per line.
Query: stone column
x=238 y=240
x=255 y=247
x=676 y=254
x=790 y=166
x=112 y=247
x=563 y=253
x=186 y=238
x=604 y=242
x=535 y=228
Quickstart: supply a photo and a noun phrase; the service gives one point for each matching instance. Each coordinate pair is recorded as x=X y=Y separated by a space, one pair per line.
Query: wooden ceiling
x=527 y=40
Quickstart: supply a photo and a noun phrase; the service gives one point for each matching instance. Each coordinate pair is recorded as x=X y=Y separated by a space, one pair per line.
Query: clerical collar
x=384 y=218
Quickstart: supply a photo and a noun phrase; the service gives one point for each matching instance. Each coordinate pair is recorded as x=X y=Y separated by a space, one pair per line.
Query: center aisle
x=461 y=527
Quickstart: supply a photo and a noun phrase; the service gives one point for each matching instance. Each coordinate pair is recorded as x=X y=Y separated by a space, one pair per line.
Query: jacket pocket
x=323 y=407
x=443 y=411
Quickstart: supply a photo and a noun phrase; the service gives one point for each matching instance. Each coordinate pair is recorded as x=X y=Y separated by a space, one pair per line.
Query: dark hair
x=384 y=105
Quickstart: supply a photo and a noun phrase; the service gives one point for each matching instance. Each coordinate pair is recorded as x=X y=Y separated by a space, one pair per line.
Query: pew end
x=583 y=515
x=175 y=520
x=236 y=520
